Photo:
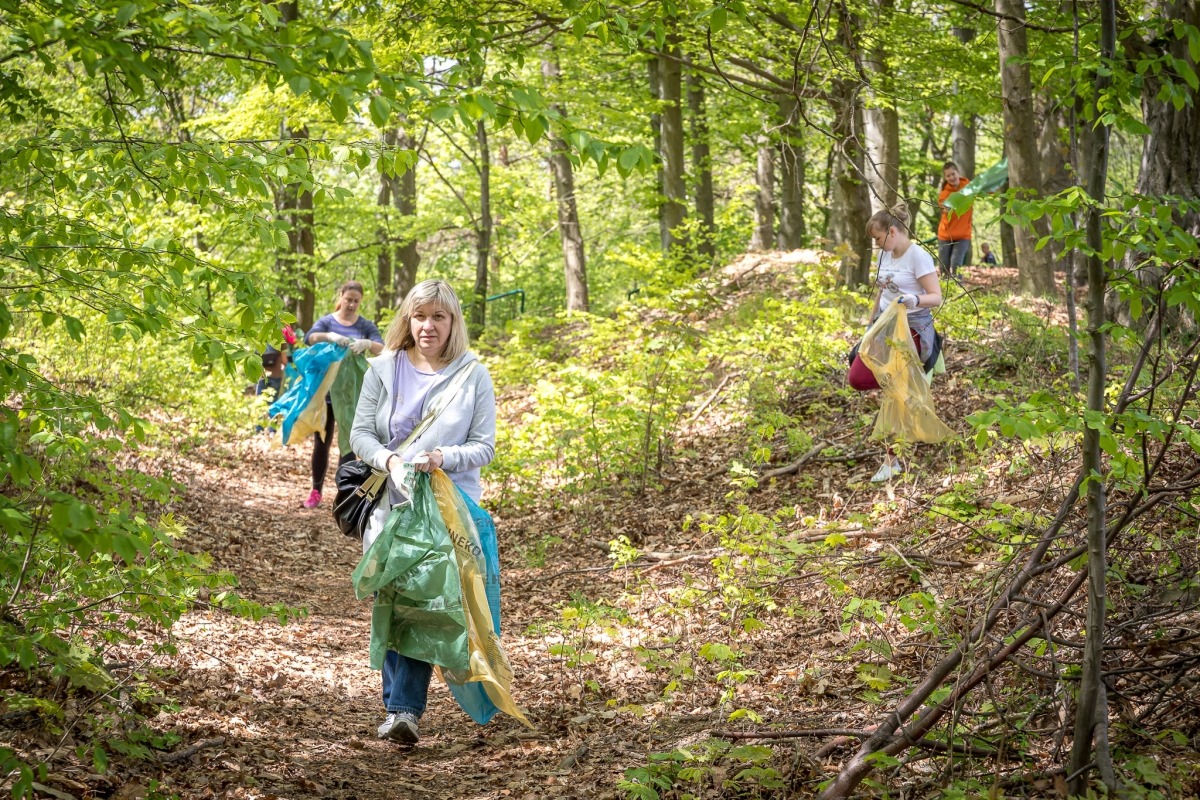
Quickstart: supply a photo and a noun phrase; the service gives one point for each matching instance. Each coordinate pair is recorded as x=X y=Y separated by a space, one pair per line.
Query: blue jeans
x=405 y=684
x=953 y=253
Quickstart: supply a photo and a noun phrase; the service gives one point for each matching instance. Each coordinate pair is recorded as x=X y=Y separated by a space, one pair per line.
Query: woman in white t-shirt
x=906 y=274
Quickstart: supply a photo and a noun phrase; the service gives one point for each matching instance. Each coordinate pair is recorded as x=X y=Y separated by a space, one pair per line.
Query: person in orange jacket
x=954 y=230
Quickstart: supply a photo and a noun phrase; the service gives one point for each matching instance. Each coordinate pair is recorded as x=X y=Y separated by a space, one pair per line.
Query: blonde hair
x=348 y=286
x=399 y=333
x=894 y=217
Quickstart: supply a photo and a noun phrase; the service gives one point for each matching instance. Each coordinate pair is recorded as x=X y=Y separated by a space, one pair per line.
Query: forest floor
x=608 y=667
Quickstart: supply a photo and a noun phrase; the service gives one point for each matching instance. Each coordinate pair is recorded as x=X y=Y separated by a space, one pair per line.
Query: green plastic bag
x=412 y=570
x=344 y=395
x=429 y=572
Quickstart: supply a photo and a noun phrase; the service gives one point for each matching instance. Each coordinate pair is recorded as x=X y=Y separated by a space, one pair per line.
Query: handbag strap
x=439 y=404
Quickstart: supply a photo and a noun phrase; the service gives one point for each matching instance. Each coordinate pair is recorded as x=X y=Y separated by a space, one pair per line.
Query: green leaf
x=126 y=13
x=718 y=19
x=337 y=107
x=629 y=159
x=381 y=109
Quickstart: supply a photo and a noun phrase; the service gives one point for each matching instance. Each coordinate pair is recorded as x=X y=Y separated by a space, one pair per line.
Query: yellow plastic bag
x=906 y=412
x=488 y=663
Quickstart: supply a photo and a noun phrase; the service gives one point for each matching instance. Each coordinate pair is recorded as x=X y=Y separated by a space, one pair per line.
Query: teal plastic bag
x=472 y=697
x=312 y=364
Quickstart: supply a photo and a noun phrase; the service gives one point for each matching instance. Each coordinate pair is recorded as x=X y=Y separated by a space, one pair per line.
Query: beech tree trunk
x=295 y=204
x=569 y=230
x=404 y=199
x=850 y=201
x=1091 y=715
x=674 y=208
x=1171 y=152
x=882 y=124
x=1035 y=272
x=701 y=164
x=1053 y=151
x=791 y=176
x=962 y=126
x=384 y=290
x=652 y=71
x=483 y=232
x=764 y=196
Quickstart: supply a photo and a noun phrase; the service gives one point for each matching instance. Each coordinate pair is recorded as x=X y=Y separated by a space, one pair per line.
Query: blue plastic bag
x=304 y=401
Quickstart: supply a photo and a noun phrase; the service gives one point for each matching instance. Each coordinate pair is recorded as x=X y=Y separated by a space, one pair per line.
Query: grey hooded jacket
x=465 y=431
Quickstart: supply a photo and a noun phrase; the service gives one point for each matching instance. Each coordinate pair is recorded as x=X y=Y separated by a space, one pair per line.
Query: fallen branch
x=795 y=466
x=844 y=735
x=188 y=752
x=704 y=406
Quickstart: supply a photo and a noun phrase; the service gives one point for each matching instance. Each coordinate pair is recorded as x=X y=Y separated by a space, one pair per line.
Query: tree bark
x=882 y=123
x=674 y=208
x=569 y=231
x=404 y=198
x=764 y=196
x=1035 y=272
x=1171 y=152
x=483 y=232
x=791 y=176
x=652 y=71
x=850 y=201
x=294 y=203
x=962 y=125
x=701 y=164
x=1092 y=712
x=384 y=289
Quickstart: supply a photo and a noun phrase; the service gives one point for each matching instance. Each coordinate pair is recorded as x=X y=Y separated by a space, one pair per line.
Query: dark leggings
x=320 y=454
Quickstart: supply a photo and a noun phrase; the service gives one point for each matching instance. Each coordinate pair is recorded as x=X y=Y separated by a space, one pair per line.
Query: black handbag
x=360 y=486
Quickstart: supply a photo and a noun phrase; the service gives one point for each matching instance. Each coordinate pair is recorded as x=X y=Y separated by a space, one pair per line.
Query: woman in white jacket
x=425 y=348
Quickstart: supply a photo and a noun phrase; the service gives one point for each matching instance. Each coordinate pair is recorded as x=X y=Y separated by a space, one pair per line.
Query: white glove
x=340 y=341
x=909 y=301
x=359 y=346
x=403 y=475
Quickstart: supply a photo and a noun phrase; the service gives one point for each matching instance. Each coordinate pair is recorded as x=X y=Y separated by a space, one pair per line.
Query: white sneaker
x=887 y=471
x=399 y=727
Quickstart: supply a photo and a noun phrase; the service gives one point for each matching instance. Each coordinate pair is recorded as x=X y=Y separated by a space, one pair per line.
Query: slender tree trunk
x=404 y=197
x=1092 y=711
x=1052 y=157
x=674 y=208
x=791 y=176
x=569 y=231
x=962 y=126
x=655 y=76
x=850 y=204
x=483 y=233
x=1036 y=273
x=701 y=164
x=1171 y=152
x=384 y=289
x=882 y=123
x=764 y=197
x=295 y=205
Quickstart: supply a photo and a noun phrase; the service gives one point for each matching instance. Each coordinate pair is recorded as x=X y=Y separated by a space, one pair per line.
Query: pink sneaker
x=314 y=499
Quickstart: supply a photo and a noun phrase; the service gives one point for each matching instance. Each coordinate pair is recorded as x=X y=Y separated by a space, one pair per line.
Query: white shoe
x=399 y=727
x=887 y=471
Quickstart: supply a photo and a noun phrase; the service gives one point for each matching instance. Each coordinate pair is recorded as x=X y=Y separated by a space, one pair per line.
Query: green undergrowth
x=92 y=573
x=612 y=409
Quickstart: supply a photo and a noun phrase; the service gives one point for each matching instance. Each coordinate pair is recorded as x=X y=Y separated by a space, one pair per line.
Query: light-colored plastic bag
x=906 y=412
x=429 y=572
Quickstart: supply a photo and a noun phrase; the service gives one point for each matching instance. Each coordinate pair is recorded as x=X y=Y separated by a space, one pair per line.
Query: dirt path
x=297 y=705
